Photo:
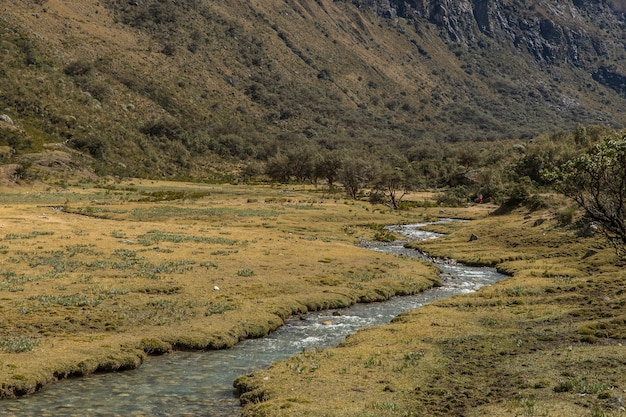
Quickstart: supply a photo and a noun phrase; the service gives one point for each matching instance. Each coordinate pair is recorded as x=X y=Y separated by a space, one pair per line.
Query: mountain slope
x=191 y=88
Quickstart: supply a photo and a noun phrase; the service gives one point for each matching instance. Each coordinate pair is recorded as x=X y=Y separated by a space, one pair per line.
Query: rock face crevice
x=552 y=33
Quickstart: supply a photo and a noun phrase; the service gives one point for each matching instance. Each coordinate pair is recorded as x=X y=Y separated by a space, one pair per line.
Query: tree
x=328 y=166
x=298 y=163
x=544 y=155
x=596 y=181
x=395 y=182
x=277 y=168
x=302 y=162
x=355 y=173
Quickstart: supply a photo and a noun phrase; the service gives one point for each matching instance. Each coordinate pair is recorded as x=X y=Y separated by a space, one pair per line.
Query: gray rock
x=589 y=230
x=6 y=118
x=589 y=253
x=548 y=37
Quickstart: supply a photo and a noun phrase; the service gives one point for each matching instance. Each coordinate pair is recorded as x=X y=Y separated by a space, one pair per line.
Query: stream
x=200 y=383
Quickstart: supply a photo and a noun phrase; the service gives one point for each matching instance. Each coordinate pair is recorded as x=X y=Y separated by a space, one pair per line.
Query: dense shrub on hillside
x=596 y=181
x=199 y=89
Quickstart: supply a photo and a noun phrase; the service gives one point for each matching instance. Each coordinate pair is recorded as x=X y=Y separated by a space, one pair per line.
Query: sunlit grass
x=546 y=342
x=102 y=276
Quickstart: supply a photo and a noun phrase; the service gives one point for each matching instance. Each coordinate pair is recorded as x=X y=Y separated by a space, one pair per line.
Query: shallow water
x=200 y=383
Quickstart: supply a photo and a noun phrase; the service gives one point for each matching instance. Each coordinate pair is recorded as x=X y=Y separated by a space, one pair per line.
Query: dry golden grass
x=95 y=278
x=549 y=341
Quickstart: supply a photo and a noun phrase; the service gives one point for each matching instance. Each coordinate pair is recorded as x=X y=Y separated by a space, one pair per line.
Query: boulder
x=5 y=118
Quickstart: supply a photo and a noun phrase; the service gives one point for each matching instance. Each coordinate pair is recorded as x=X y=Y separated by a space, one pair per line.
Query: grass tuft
x=18 y=344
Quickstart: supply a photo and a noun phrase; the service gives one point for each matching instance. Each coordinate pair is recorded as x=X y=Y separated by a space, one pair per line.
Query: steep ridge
x=191 y=88
x=575 y=33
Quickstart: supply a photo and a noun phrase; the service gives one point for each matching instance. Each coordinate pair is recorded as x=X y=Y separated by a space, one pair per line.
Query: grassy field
x=548 y=341
x=95 y=277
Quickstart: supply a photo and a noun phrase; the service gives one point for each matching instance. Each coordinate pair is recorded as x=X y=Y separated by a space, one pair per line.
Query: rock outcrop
x=552 y=33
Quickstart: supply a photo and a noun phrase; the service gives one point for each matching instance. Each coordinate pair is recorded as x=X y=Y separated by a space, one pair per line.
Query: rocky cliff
x=573 y=32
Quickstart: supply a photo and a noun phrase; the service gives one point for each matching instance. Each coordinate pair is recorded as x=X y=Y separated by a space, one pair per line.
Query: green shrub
x=454 y=197
x=245 y=272
x=18 y=344
x=566 y=216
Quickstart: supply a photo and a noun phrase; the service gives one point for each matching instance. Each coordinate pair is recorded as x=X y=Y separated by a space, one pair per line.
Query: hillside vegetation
x=213 y=90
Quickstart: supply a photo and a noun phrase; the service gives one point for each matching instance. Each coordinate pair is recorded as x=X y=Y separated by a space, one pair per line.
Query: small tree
x=596 y=181
x=328 y=167
x=301 y=162
x=277 y=168
x=356 y=172
x=395 y=182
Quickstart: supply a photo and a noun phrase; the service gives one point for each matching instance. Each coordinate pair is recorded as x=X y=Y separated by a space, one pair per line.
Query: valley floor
x=548 y=341
x=96 y=277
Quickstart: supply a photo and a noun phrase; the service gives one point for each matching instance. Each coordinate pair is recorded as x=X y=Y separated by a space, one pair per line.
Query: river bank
x=97 y=277
x=201 y=383
x=547 y=341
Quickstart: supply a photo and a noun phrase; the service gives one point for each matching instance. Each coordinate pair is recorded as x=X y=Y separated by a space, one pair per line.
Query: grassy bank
x=549 y=341
x=94 y=278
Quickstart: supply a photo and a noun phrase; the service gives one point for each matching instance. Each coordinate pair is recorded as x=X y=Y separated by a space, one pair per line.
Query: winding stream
x=200 y=383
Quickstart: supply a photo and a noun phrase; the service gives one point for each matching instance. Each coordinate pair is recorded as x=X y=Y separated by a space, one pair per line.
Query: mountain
x=195 y=88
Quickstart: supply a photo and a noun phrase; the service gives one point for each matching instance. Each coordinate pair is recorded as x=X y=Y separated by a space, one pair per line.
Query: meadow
x=548 y=341
x=96 y=277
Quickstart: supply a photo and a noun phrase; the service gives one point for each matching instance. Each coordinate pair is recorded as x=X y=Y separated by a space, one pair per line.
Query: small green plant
x=372 y=362
x=18 y=344
x=170 y=195
x=73 y=300
x=514 y=292
x=384 y=235
x=527 y=404
x=31 y=235
x=157 y=236
x=118 y=234
x=174 y=267
x=245 y=272
x=219 y=308
x=164 y=311
x=599 y=412
x=125 y=253
x=580 y=386
x=566 y=216
x=73 y=250
x=412 y=358
x=360 y=277
x=223 y=252
x=297 y=367
x=488 y=321
x=384 y=406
